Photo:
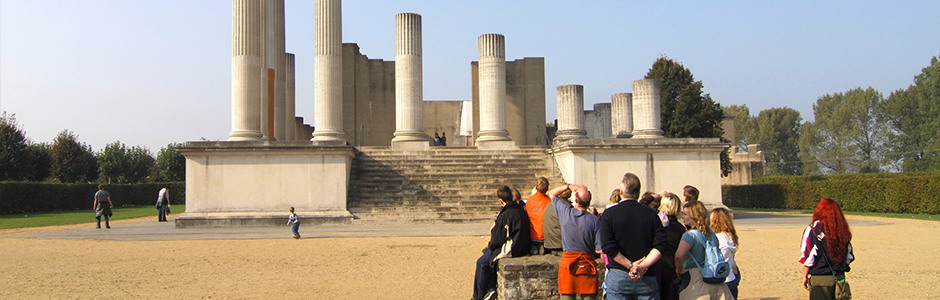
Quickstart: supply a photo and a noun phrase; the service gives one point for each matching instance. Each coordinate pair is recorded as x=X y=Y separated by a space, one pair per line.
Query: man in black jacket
x=510 y=230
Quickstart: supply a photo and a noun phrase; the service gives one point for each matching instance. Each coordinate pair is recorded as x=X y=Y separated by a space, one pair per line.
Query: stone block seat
x=442 y=184
x=533 y=277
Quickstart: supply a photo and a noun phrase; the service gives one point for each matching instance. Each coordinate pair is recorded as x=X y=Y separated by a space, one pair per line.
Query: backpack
x=716 y=267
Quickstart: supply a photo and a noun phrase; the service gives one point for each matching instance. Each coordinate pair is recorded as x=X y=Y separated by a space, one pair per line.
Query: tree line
x=856 y=131
x=67 y=160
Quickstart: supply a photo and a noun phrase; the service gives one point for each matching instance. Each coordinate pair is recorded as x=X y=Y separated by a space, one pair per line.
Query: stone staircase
x=441 y=185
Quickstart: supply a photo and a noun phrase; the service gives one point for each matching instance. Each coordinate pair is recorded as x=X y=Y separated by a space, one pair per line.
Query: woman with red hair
x=827 y=250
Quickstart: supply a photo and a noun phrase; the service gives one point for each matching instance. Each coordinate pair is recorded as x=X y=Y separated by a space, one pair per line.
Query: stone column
x=246 y=69
x=409 y=128
x=570 y=112
x=290 y=126
x=328 y=69
x=492 y=78
x=621 y=115
x=280 y=98
x=268 y=70
x=646 y=109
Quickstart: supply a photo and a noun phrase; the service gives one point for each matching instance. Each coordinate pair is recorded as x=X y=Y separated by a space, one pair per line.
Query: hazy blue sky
x=154 y=72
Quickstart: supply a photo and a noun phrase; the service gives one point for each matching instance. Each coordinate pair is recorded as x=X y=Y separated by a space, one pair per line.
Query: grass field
x=853 y=213
x=76 y=217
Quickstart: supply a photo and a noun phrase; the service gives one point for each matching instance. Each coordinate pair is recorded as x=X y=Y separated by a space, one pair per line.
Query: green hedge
x=882 y=192
x=20 y=197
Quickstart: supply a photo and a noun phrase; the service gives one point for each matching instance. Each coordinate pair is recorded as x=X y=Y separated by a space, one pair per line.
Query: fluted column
x=408 y=81
x=646 y=109
x=290 y=126
x=328 y=69
x=492 y=81
x=246 y=69
x=280 y=98
x=621 y=115
x=268 y=70
x=570 y=112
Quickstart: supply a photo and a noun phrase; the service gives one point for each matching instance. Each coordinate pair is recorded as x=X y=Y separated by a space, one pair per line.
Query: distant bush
x=883 y=192
x=20 y=197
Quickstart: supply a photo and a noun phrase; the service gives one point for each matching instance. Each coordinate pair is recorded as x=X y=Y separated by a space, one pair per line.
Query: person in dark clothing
x=633 y=238
x=509 y=237
x=443 y=139
x=671 y=205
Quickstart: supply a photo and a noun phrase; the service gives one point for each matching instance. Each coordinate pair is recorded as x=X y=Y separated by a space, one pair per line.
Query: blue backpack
x=716 y=267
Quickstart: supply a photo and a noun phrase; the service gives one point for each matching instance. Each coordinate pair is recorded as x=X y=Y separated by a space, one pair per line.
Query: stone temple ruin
x=362 y=162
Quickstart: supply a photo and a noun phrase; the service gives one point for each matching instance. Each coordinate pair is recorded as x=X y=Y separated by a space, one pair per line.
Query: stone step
x=430 y=215
x=388 y=172
x=410 y=220
x=473 y=202
x=426 y=209
x=430 y=165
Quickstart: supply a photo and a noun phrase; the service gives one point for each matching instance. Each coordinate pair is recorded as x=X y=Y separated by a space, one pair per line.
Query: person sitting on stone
x=509 y=237
x=577 y=271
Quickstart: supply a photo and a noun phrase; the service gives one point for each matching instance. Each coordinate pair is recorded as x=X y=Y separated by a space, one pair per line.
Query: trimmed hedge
x=21 y=197
x=881 y=192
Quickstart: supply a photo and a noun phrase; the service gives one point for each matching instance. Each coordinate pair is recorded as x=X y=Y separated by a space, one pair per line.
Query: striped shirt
x=810 y=253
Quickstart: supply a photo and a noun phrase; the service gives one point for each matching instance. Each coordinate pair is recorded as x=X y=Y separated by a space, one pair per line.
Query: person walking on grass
x=103 y=206
x=294 y=223
x=163 y=203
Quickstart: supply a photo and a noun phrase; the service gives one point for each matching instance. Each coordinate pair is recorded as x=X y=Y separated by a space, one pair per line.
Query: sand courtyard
x=143 y=259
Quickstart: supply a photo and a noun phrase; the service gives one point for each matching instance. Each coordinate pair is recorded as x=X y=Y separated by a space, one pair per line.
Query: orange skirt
x=577 y=274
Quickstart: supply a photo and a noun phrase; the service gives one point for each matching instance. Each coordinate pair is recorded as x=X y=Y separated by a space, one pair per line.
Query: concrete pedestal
x=254 y=183
x=661 y=164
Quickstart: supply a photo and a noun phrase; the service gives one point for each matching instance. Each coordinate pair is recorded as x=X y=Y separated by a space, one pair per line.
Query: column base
x=622 y=135
x=244 y=135
x=492 y=135
x=258 y=219
x=330 y=137
x=410 y=136
x=496 y=145
x=647 y=134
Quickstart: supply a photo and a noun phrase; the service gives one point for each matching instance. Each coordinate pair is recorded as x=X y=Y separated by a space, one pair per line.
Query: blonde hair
x=721 y=222
x=670 y=205
x=699 y=215
x=615 y=196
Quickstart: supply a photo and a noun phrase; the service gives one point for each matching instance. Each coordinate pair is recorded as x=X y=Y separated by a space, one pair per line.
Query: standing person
x=690 y=194
x=633 y=239
x=163 y=203
x=437 y=140
x=614 y=198
x=671 y=206
x=103 y=206
x=443 y=139
x=551 y=228
x=577 y=271
x=723 y=226
x=509 y=237
x=690 y=256
x=827 y=250
x=535 y=208
x=294 y=223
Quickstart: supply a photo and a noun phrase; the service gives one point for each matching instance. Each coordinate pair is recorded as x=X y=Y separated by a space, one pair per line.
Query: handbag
x=843 y=291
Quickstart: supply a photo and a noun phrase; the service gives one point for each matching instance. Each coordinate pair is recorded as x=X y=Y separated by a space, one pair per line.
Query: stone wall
x=525 y=100
x=443 y=116
x=368 y=98
x=533 y=277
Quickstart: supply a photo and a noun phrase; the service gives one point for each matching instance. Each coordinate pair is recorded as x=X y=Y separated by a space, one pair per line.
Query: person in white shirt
x=723 y=226
x=163 y=203
x=294 y=223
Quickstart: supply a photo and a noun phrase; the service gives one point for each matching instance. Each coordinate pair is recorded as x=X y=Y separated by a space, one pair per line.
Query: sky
x=150 y=73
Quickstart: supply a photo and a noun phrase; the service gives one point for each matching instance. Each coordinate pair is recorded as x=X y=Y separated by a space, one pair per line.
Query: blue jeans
x=294 y=228
x=733 y=285
x=484 y=279
x=619 y=286
x=161 y=213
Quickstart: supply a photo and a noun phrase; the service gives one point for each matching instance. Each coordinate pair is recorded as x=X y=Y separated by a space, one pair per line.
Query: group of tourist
x=655 y=246
x=103 y=205
x=439 y=140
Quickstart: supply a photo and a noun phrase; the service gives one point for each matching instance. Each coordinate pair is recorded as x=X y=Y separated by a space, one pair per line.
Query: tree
x=742 y=123
x=686 y=110
x=913 y=126
x=13 y=144
x=37 y=163
x=777 y=130
x=72 y=161
x=140 y=164
x=120 y=164
x=170 y=165
x=113 y=162
x=847 y=135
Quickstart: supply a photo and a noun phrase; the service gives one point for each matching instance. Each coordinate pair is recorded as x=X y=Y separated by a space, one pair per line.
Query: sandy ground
x=897 y=259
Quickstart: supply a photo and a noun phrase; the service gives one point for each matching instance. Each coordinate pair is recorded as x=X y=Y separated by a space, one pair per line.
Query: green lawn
x=77 y=217
x=855 y=213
